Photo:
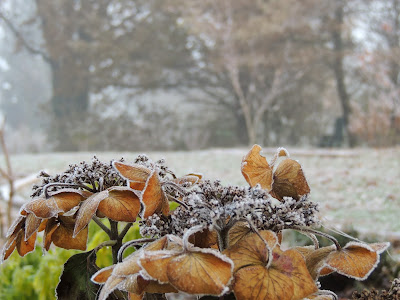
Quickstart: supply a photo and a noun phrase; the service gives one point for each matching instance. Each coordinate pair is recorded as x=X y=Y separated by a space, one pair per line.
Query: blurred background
x=182 y=75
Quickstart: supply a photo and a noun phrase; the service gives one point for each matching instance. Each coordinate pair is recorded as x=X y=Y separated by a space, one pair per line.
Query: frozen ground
x=355 y=188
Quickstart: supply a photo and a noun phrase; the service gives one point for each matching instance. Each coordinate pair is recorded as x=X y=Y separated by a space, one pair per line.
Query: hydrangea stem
x=115 y=236
x=102 y=226
x=132 y=243
x=323 y=234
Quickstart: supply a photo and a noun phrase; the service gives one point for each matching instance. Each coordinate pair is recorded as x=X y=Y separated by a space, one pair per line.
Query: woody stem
x=115 y=236
x=102 y=226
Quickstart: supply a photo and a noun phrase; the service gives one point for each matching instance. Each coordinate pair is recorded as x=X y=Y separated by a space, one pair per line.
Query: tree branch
x=24 y=42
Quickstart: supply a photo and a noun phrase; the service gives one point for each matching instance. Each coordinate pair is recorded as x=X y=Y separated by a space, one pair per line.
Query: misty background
x=182 y=75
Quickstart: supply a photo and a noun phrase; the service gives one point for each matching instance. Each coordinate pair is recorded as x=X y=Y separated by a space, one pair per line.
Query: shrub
x=223 y=242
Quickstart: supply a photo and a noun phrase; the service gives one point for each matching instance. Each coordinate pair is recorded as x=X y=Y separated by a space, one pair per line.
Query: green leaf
x=75 y=280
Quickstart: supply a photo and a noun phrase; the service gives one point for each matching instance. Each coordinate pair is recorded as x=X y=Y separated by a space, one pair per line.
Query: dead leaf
x=133 y=296
x=135 y=173
x=88 y=209
x=101 y=276
x=355 y=260
x=256 y=169
x=281 y=153
x=237 y=232
x=286 y=278
x=252 y=250
x=113 y=283
x=192 y=270
x=32 y=225
x=191 y=178
x=16 y=226
x=155 y=264
x=24 y=247
x=200 y=272
x=125 y=275
x=204 y=239
x=320 y=295
x=153 y=197
x=379 y=247
x=289 y=180
x=315 y=260
x=122 y=204
x=8 y=249
x=60 y=231
x=59 y=202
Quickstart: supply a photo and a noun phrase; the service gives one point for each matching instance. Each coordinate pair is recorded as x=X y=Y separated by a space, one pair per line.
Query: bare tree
x=251 y=55
x=94 y=45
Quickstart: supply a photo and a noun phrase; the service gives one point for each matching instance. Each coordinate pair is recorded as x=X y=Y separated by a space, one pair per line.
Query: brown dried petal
x=88 y=209
x=8 y=248
x=256 y=169
x=24 y=247
x=153 y=197
x=136 y=174
x=189 y=178
x=315 y=260
x=102 y=275
x=63 y=236
x=204 y=239
x=237 y=232
x=289 y=180
x=252 y=250
x=16 y=226
x=122 y=204
x=60 y=201
x=51 y=226
x=155 y=263
x=113 y=283
x=200 y=272
x=286 y=278
x=32 y=225
x=355 y=260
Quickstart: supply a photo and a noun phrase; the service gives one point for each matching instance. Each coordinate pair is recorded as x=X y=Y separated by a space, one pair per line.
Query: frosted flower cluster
x=215 y=206
x=144 y=160
x=95 y=174
x=290 y=213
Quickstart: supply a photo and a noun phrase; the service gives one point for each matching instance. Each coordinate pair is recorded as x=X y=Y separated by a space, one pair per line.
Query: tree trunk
x=394 y=42
x=241 y=129
x=70 y=103
x=339 y=71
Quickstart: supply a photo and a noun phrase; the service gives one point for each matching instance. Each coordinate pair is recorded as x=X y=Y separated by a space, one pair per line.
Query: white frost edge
x=366 y=246
x=276 y=157
x=165 y=254
x=143 y=210
x=385 y=247
x=358 y=244
x=222 y=257
x=323 y=293
x=80 y=212
x=98 y=272
x=104 y=297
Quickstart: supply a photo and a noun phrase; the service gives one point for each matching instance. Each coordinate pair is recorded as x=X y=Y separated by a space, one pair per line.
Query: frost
x=213 y=205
